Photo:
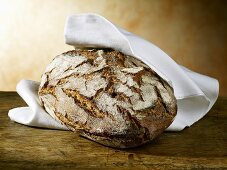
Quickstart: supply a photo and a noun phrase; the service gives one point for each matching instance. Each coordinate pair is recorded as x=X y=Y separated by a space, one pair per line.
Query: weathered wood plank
x=203 y=146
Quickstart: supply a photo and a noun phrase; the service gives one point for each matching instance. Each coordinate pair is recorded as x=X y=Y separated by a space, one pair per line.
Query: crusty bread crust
x=108 y=97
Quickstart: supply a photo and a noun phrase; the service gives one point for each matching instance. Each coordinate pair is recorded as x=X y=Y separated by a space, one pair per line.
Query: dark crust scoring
x=156 y=119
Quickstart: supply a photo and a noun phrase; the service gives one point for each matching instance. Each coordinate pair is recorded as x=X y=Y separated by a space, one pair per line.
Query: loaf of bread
x=108 y=97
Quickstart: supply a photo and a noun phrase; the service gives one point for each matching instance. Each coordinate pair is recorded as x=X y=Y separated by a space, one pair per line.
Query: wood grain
x=203 y=146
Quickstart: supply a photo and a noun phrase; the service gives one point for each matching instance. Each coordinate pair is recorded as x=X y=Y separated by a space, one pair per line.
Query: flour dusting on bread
x=106 y=96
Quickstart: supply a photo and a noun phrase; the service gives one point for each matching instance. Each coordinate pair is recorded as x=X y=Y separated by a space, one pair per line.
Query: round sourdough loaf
x=108 y=97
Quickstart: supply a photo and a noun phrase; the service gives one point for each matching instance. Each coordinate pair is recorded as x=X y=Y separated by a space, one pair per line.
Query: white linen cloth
x=195 y=93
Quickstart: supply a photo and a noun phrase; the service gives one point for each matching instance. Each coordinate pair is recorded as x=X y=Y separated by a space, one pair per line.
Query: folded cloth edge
x=182 y=124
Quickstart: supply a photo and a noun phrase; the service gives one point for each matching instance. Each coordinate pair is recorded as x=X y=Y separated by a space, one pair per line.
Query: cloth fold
x=195 y=93
x=34 y=114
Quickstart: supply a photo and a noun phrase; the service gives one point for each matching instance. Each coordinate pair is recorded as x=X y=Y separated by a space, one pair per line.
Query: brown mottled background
x=192 y=32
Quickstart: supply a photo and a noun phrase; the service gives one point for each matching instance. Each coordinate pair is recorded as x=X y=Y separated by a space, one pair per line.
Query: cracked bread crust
x=108 y=97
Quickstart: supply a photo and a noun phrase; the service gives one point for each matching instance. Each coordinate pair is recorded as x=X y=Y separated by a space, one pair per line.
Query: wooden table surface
x=202 y=146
